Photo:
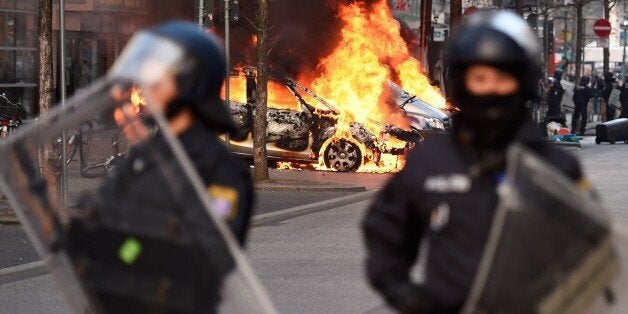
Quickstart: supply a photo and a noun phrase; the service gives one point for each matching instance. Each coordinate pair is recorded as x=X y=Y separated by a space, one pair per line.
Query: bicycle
x=9 y=117
x=77 y=140
x=101 y=169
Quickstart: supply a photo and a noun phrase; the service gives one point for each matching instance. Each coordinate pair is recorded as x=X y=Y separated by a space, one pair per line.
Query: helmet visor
x=146 y=58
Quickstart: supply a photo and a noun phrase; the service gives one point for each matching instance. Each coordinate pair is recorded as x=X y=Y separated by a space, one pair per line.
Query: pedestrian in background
x=581 y=97
x=623 y=98
x=598 y=92
x=446 y=195
x=609 y=85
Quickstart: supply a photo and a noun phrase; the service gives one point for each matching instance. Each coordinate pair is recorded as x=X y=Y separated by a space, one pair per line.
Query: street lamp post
x=624 y=27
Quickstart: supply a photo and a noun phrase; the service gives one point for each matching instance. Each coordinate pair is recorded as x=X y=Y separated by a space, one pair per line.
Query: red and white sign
x=602 y=28
x=470 y=10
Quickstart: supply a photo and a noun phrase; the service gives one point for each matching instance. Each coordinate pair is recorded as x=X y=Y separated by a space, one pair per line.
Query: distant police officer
x=446 y=194
x=554 y=96
x=581 y=97
x=177 y=260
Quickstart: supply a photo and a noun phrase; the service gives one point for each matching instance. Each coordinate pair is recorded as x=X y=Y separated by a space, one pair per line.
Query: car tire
x=342 y=155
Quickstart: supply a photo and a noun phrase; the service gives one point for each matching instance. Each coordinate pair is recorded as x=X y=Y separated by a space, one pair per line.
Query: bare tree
x=260 y=160
x=608 y=6
x=44 y=29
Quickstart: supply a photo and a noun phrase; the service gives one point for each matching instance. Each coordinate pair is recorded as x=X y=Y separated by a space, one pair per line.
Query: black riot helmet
x=558 y=74
x=504 y=41
x=196 y=59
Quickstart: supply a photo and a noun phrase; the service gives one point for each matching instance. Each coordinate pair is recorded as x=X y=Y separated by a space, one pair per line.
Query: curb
x=312 y=188
x=11 y=220
x=22 y=272
x=285 y=214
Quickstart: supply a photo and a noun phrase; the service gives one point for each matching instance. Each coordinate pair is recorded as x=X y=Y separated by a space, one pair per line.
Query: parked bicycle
x=77 y=140
x=9 y=117
x=103 y=167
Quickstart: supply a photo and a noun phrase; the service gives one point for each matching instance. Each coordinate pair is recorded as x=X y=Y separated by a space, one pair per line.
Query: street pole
x=227 y=101
x=424 y=35
x=201 y=13
x=64 y=165
x=623 y=62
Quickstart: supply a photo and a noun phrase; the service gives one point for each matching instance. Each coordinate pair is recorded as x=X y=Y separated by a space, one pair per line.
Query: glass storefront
x=96 y=30
x=18 y=51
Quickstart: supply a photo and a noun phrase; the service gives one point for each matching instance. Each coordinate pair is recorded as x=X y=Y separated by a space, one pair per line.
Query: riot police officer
x=554 y=97
x=446 y=194
x=188 y=96
x=581 y=97
x=180 y=259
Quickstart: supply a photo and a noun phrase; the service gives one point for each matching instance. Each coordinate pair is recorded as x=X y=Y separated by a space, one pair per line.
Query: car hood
x=411 y=104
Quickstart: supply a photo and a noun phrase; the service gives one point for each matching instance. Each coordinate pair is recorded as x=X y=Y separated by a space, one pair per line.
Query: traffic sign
x=470 y=10
x=602 y=28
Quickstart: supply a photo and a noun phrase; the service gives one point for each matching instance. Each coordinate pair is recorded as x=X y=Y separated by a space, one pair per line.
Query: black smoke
x=302 y=33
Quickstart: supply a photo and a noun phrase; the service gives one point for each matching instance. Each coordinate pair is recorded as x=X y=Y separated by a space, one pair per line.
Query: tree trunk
x=260 y=160
x=46 y=88
x=605 y=51
x=44 y=29
x=455 y=14
x=518 y=7
x=578 y=57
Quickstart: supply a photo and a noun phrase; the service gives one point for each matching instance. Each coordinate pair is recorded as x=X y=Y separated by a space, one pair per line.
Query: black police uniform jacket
x=435 y=198
x=581 y=97
x=554 y=97
x=149 y=200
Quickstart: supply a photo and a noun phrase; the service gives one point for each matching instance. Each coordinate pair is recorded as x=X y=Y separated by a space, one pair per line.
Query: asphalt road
x=313 y=263
x=17 y=249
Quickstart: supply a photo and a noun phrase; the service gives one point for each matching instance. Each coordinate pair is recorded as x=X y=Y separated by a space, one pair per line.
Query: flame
x=279 y=96
x=254 y=40
x=371 y=52
x=137 y=99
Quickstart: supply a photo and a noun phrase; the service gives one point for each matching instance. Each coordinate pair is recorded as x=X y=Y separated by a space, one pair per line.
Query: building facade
x=18 y=51
x=96 y=31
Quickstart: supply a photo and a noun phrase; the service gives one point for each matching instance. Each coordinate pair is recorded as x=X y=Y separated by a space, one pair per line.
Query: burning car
x=303 y=127
x=424 y=118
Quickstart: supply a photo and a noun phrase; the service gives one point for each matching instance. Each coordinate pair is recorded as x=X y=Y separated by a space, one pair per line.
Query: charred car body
x=302 y=135
x=424 y=118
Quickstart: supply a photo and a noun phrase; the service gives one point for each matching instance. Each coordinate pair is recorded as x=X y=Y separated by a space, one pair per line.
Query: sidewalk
x=322 y=181
x=7 y=216
x=283 y=180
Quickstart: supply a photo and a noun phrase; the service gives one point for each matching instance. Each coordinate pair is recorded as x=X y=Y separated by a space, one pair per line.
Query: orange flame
x=137 y=99
x=254 y=40
x=279 y=97
x=370 y=53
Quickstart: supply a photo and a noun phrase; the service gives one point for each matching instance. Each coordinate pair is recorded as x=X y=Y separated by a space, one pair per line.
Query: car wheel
x=597 y=141
x=342 y=155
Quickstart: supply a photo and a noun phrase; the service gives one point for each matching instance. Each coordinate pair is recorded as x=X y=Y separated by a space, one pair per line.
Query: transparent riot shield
x=550 y=249
x=133 y=228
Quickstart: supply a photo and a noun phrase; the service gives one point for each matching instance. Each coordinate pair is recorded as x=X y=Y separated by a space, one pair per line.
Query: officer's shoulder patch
x=224 y=200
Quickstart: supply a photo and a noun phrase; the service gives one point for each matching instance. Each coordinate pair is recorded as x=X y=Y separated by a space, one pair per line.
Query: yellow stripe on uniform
x=584 y=185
